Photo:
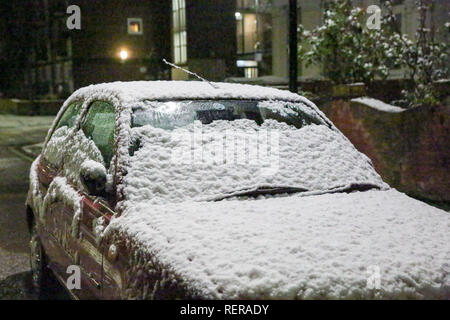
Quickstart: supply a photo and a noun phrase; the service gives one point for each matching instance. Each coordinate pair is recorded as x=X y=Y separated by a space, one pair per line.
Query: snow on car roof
x=162 y=90
x=130 y=94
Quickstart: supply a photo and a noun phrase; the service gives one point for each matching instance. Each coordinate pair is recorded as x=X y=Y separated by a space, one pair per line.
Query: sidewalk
x=23 y=130
x=21 y=138
x=10 y=121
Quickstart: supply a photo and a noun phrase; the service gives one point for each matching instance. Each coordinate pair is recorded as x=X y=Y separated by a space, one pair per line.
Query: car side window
x=99 y=126
x=57 y=144
x=70 y=115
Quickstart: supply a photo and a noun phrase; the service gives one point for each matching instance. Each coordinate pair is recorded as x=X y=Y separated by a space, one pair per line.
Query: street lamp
x=123 y=54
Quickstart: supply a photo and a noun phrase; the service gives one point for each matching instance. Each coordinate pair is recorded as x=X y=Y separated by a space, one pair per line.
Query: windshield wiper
x=289 y=190
x=262 y=191
x=354 y=187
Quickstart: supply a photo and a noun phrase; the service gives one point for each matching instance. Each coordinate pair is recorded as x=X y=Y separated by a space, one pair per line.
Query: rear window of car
x=174 y=114
x=192 y=150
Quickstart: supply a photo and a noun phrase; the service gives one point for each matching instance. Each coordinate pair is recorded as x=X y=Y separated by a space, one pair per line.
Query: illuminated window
x=251 y=72
x=179 y=31
x=253 y=31
x=135 y=26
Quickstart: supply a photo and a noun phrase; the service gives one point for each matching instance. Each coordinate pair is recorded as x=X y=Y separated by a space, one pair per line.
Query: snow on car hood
x=314 y=158
x=373 y=244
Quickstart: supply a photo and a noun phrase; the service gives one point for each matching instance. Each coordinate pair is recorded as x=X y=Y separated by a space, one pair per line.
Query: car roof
x=130 y=94
x=135 y=91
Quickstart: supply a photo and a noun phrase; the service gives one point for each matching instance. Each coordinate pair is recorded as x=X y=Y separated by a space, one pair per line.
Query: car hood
x=372 y=244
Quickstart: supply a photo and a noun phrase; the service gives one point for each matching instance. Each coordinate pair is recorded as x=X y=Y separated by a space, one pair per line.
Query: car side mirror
x=93 y=177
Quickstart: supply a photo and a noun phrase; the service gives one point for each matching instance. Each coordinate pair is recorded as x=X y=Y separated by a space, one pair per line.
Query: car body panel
x=65 y=245
x=89 y=250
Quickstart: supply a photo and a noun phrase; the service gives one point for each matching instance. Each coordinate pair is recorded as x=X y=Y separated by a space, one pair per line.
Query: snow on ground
x=325 y=246
x=377 y=104
x=314 y=158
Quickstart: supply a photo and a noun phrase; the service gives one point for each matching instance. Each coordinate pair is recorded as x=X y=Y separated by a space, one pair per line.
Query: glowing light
x=238 y=15
x=123 y=54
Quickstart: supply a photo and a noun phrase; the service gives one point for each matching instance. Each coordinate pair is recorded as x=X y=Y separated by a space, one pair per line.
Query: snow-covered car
x=165 y=190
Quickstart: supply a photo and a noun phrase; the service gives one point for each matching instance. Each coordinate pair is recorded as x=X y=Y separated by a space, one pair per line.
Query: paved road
x=19 y=139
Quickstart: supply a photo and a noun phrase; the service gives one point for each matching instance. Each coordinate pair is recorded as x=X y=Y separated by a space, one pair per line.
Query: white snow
x=162 y=90
x=287 y=108
x=79 y=152
x=377 y=104
x=321 y=246
x=306 y=245
x=60 y=191
x=96 y=169
x=34 y=180
x=125 y=95
x=314 y=157
x=52 y=153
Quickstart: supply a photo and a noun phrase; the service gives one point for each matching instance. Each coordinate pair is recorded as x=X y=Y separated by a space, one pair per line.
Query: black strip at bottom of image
x=224 y=309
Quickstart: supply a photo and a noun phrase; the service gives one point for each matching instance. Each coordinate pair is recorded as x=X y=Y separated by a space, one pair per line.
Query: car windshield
x=212 y=150
x=174 y=114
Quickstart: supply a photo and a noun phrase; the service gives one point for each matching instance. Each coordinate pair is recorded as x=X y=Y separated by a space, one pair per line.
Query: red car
x=167 y=190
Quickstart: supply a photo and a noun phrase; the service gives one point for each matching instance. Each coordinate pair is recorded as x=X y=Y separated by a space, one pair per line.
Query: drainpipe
x=293 y=72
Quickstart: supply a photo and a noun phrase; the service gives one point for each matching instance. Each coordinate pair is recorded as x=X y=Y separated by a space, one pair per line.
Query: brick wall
x=410 y=149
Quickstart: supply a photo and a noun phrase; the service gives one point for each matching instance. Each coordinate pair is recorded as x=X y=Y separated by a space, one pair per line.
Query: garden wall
x=409 y=149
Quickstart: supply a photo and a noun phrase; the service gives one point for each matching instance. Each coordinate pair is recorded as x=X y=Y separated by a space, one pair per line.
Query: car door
x=55 y=216
x=50 y=164
x=99 y=127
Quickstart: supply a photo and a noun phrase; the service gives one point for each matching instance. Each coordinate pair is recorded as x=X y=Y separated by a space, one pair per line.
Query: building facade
x=118 y=41
x=203 y=38
x=262 y=32
x=123 y=40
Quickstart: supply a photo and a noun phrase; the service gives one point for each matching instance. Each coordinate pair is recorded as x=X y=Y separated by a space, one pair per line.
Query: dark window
x=394 y=2
x=99 y=126
x=70 y=115
x=61 y=38
x=41 y=51
x=398 y=23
